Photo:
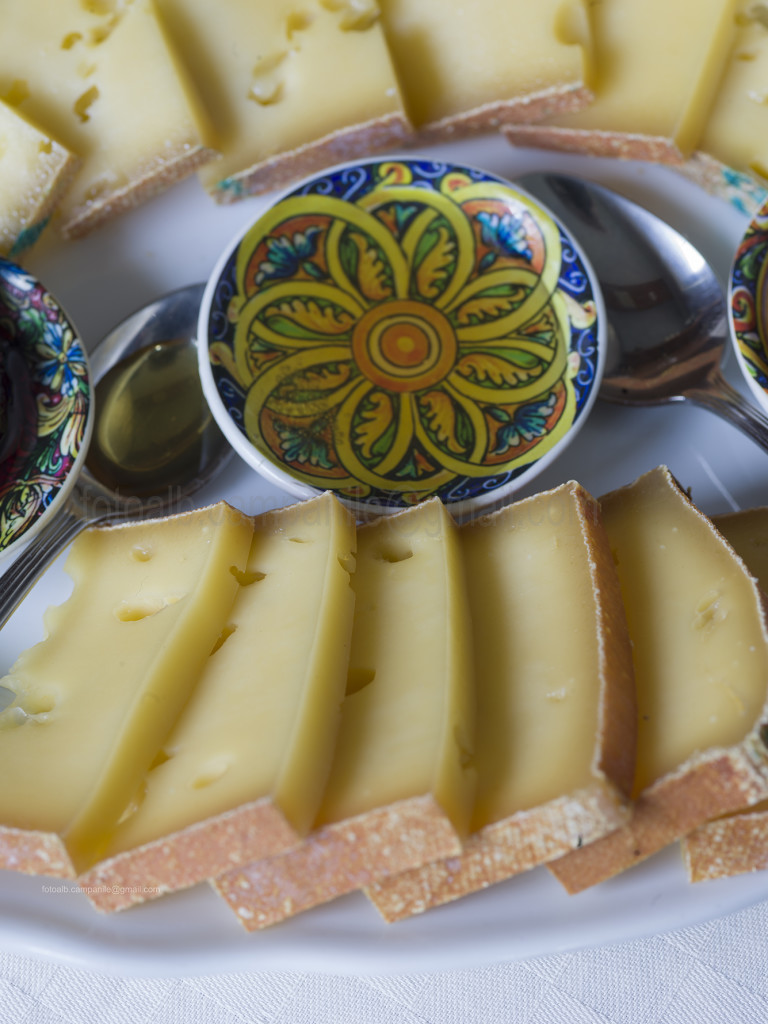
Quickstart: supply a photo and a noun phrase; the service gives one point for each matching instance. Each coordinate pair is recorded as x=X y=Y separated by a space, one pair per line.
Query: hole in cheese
x=141 y=553
x=358 y=679
x=394 y=554
x=297 y=21
x=18 y=92
x=70 y=39
x=356 y=15
x=134 y=611
x=84 y=102
x=213 y=771
x=298 y=540
x=266 y=84
x=45 y=146
x=160 y=758
x=225 y=634
x=248 y=576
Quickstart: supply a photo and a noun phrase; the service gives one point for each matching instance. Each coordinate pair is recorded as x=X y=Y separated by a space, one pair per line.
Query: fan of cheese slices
x=103 y=103
x=293 y=706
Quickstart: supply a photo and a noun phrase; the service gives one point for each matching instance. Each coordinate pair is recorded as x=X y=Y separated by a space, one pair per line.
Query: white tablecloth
x=714 y=972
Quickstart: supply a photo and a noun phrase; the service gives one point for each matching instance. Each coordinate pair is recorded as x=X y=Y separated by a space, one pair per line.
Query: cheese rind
x=470 y=68
x=556 y=720
x=402 y=779
x=697 y=620
x=653 y=88
x=303 y=88
x=738 y=842
x=242 y=773
x=149 y=601
x=73 y=69
x=35 y=171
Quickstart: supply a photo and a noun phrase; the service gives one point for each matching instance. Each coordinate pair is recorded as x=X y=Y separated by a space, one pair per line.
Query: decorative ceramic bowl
x=45 y=406
x=748 y=305
x=397 y=329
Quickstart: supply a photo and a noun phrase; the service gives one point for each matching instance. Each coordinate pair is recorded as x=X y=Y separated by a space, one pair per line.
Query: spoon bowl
x=154 y=440
x=667 y=316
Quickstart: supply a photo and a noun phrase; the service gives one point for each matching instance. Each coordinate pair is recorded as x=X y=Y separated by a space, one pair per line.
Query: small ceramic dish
x=748 y=306
x=397 y=329
x=45 y=406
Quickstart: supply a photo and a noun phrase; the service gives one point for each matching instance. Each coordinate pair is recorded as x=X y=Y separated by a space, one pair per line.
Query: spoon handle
x=39 y=553
x=719 y=397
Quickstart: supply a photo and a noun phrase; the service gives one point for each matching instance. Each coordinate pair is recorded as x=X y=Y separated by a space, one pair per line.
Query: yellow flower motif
x=399 y=343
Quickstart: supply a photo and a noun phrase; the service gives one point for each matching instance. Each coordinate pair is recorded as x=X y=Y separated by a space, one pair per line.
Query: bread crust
x=337 y=859
x=283 y=168
x=595 y=142
x=709 y=783
x=532 y=837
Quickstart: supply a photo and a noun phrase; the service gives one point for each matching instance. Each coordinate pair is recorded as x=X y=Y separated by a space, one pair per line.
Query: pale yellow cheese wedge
x=735 y=136
x=402 y=779
x=697 y=620
x=96 y=698
x=100 y=77
x=658 y=66
x=473 y=66
x=242 y=773
x=556 y=711
x=35 y=170
x=737 y=843
x=291 y=87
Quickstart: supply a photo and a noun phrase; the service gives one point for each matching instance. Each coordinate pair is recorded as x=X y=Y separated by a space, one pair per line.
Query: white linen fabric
x=714 y=972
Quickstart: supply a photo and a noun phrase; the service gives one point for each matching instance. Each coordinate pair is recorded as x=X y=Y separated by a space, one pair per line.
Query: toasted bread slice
x=556 y=716
x=402 y=780
x=653 y=89
x=292 y=88
x=35 y=170
x=72 y=69
x=96 y=698
x=736 y=843
x=470 y=68
x=242 y=772
x=697 y=619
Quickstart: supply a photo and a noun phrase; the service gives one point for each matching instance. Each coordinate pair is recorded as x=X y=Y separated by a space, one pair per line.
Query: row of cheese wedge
x=254 y=93
x=295 y=707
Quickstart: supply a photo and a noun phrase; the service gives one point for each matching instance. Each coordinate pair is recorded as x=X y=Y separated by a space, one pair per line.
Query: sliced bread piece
x=96 y=698
x=293 y=87
x=402 y=780
x=556 y=716
x=736 y=843
x=697 y=620
x=102 y=79
x=471 y=67
x=35 y=170
x=242 y=773
x=658 y=65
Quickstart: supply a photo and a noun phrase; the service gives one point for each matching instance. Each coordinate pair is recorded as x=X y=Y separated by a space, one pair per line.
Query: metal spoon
x=667 y=317
x=138 y=466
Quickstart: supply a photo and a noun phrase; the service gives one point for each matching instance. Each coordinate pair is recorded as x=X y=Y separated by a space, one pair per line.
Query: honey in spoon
x=153 y=429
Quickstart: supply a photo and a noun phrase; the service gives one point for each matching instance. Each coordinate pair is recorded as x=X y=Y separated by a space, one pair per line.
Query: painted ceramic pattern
x=59 y=402
x=396 y=330
x=748 y=302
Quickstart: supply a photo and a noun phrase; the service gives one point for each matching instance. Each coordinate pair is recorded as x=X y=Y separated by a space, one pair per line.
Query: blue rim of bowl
x=748 y=305
x=36 y=479
x=226 y=397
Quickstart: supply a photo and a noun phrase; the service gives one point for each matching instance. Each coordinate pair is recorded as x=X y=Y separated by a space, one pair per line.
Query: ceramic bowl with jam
x=45 y=406
x=397 y=329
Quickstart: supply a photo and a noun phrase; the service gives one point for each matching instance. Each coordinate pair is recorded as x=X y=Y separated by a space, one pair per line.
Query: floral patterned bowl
x=45 y=406
x=397 y=329
x=748 y=305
